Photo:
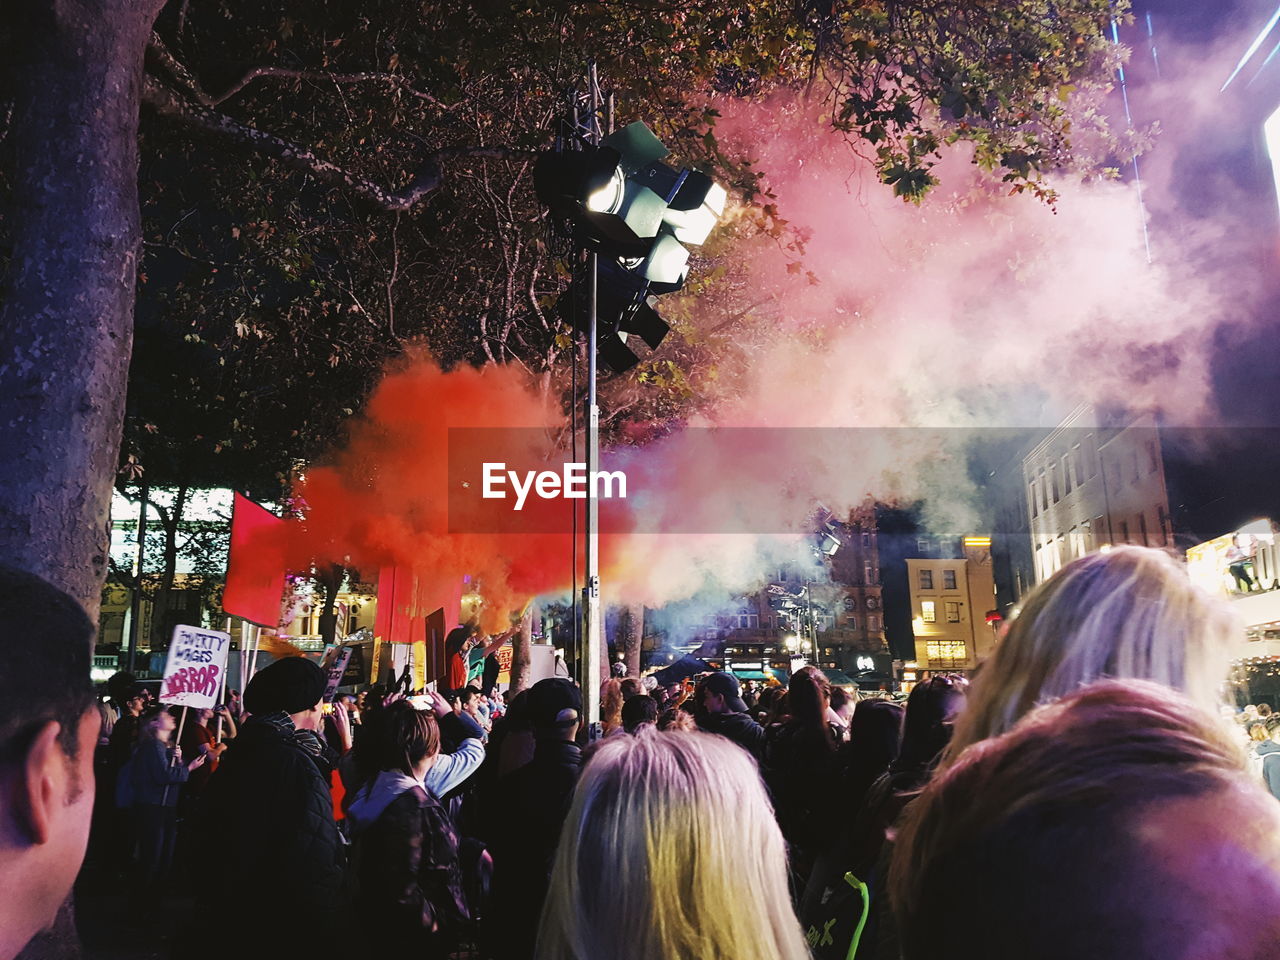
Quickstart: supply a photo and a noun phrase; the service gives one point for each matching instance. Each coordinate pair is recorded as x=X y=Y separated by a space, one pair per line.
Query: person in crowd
x=156 y=772
x=840 y=711
x=1131 y=613
x=805 y=770
x=611 y=705
x=465 y=645
x=489 y=677
x=119 y=689
x=750 y=695
x=49 y=723
x=199 y=739
x=875 y=736
x=409 y=881
x=721 y=710
x=1269 y=752
x=537 y=798
x=771 y=708
x=631 y=687
x=469 y=703
x=673 y=718
x=268 y=823
x=617 y=670
x=670 y=852
x=124 y=731
x=1114 y=824
x=639 y=711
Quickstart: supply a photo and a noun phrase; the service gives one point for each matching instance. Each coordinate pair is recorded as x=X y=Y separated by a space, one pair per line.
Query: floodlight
x=667 y=264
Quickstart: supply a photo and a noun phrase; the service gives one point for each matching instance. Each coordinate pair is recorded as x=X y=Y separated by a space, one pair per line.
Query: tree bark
x=520 y=653
x=631 y=636
x=67 y=313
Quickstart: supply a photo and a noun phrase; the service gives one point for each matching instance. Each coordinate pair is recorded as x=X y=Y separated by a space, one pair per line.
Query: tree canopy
x=326 y=184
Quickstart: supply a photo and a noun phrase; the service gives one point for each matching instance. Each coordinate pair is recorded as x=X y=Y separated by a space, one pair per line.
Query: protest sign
x=193 y=672
x=334 y=664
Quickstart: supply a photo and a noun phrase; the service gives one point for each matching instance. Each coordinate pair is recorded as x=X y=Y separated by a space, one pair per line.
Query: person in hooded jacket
x=409 y=880
x=722 y=710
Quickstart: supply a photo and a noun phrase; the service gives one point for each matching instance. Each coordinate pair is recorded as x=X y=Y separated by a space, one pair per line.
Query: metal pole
x=592 y=638
x=135 y=602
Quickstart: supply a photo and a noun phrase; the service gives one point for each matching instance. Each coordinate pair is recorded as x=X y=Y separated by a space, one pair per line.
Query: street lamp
x=619 y=201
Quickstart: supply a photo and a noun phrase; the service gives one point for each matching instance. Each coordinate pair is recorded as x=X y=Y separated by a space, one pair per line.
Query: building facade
x=953 y=603
x=1089 y=486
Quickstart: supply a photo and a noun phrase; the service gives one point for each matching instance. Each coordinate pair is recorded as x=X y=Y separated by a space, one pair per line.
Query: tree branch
x=426 y=180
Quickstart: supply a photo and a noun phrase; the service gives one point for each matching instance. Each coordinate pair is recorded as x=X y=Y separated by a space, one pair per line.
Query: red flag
x=255 y=566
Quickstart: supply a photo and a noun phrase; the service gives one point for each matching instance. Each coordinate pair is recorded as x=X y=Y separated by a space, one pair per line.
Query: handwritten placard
x=193 y=672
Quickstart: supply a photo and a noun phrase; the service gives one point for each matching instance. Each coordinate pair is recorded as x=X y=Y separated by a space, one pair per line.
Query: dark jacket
x=804 y=774
x=268 y=825
x=409 y=882
x=156 y=777
x=1270 y=754
x=538 y=797
x=738 y=727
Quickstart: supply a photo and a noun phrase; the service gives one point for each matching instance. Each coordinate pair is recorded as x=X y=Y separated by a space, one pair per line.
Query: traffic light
x=621 y=201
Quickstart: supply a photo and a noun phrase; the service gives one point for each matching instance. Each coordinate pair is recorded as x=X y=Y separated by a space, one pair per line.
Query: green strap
x=861 y=887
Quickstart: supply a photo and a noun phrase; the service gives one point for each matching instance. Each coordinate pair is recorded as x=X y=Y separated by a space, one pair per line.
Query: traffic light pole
x=592 y=633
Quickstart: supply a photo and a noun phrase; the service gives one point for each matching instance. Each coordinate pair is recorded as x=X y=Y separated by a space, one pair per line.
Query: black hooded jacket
x=738 y=727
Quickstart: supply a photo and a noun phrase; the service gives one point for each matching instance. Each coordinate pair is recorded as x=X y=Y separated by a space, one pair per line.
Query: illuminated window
x=926 y=579
x=946 y=652
x=953 y=611
x=928 y=611
x=948 y=579
x=873 y=624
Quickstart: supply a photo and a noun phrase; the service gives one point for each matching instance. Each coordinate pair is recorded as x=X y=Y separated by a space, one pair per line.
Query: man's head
x=555 y=705
x=294 y=686
x=719 y=693
x=470 y=698
x=49 y=725
x=1115 y=823
x=638 y=711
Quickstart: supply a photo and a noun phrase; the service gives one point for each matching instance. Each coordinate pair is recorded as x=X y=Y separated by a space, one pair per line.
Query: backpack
x=835 y=928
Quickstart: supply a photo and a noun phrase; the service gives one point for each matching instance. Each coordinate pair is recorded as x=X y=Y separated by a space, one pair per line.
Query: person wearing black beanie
x=267 y=823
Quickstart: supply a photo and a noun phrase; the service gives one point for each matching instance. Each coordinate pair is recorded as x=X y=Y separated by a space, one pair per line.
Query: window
x=946 y=652
x=1044 y=492
x=868 y=572
x=1153 y=461
x=1079 y=462
x=866 y=541
x=1066 y=474
x=1035 y=500
x=953 y=611
x=948 y=579
x=1142 y=529
x=748 y=621
x=1091 y=456
x=1124 y=531
x=850 y=603
x=1053 y=480
x=851 y=623
x=928 y=611
x=926 y=579
x=923 y=545
x=1166 y=531
x=873 y=624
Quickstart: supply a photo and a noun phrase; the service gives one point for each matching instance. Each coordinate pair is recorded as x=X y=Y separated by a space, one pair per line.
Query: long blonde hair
x=670 y=852
x=1130 y=613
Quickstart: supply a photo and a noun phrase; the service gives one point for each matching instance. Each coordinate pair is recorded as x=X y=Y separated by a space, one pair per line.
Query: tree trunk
x=329 y=578
x=631 y=636
x=520 y=653
x=162 y=597
x=66 y=320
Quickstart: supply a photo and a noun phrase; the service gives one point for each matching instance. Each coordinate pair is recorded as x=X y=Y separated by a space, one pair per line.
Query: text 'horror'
x=571 y=483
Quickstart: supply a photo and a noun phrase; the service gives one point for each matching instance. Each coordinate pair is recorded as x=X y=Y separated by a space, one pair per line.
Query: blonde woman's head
x=670 y=851
x=1129 y=613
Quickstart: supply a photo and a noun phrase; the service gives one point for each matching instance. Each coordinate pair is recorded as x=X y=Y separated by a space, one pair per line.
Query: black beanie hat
x=293 y=684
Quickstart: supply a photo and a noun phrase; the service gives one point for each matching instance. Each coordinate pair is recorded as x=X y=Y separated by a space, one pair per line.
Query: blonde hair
x=1130 y=613
x=611 y=704
x=670 y=851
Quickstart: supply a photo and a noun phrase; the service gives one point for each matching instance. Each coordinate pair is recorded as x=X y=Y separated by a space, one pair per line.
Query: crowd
x=1082 y=797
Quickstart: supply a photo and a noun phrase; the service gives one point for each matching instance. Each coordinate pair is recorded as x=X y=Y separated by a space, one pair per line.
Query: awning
x=682 y=669
x=839 y=677
x=751 y=674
